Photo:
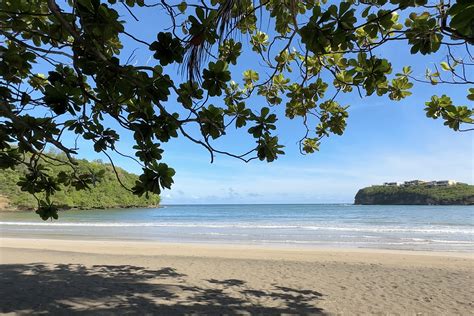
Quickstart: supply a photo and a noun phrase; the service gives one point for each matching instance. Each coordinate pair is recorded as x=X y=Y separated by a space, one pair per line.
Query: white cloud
x=334 y=180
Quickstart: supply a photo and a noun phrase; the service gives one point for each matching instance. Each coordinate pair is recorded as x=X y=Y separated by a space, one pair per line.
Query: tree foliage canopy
x=314 y=52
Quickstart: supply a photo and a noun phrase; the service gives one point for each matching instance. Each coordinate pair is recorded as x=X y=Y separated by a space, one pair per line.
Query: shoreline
x=16 y=209
x=220 y=250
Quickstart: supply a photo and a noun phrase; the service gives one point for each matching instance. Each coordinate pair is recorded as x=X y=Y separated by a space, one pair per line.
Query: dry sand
x=112 y=277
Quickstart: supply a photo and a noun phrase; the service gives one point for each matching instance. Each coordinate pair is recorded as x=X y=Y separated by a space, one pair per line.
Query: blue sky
x=384 y=141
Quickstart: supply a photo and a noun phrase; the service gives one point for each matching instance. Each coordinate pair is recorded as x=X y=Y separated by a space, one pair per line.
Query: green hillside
x=460 y=194
x=107 y=193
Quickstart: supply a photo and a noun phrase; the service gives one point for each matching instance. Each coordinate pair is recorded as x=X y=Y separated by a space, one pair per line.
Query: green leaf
x=182 y=7
x=445 y=66
x=470 y=96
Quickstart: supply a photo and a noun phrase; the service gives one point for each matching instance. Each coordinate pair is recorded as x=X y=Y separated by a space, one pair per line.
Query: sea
x=425 y=228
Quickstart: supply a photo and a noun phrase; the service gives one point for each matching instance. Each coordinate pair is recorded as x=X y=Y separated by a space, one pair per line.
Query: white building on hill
x=414 y=182
x=445 y=183
x=441 y=183
x=391 y=184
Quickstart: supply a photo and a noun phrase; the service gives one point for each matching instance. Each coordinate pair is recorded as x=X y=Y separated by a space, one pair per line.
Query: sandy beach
x=114 y=277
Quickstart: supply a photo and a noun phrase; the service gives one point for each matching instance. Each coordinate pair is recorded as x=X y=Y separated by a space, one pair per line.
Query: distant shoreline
x=163 y=205
x=80 y=208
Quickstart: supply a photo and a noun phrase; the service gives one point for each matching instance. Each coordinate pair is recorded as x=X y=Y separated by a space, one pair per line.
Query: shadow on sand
x=67 y=289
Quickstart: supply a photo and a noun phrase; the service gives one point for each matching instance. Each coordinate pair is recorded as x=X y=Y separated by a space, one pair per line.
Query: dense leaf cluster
x=314 y=52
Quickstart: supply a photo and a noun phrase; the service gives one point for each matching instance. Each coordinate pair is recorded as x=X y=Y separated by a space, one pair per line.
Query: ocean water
x=431 y=228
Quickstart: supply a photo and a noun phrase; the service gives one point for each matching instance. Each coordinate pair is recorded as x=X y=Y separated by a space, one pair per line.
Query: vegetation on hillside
x=106 y=192
x=417 y=195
